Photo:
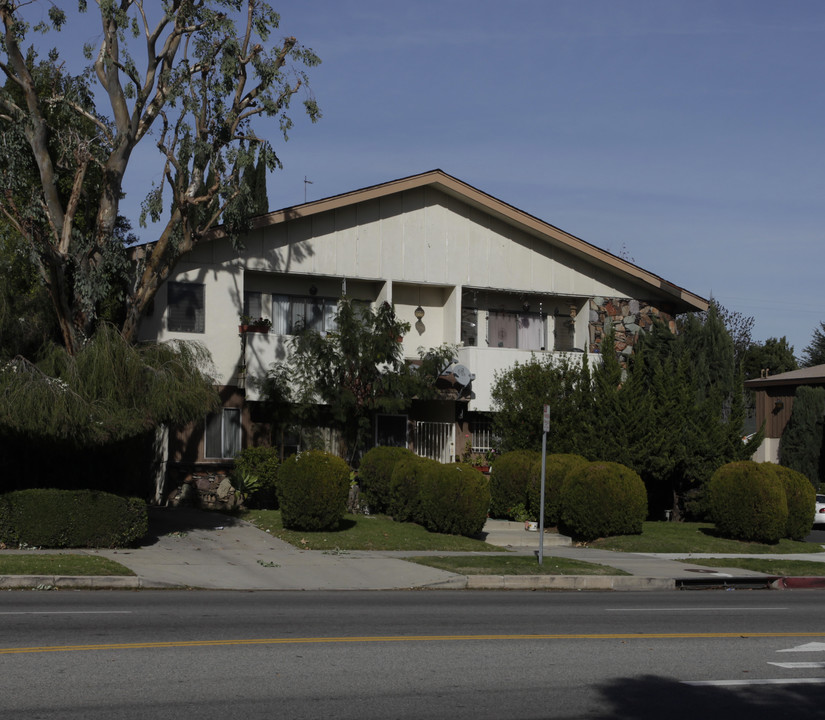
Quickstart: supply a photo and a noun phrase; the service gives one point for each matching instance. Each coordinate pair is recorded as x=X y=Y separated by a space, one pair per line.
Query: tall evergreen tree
x=774 y=356
x=814 y=353
x=802 y=446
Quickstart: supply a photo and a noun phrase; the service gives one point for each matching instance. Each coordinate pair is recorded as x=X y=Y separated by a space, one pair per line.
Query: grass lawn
x=678 y=537
x=514 y=565
x=60 y=564
x=370 y=532
x=784 y=568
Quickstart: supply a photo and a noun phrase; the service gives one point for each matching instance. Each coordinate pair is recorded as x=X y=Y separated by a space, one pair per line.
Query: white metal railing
x=481 y=433
x=435 y=440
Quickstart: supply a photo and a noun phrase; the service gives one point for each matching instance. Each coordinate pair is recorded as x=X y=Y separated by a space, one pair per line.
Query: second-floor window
x=524 y=331
x=291 y=312
x=253 y=304
x=185 y=307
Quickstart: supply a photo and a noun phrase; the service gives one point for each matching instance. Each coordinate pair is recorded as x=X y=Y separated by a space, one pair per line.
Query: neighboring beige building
x=774 y=397
x=492 y=279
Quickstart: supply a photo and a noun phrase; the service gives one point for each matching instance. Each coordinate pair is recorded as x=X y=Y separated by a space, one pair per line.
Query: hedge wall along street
x=71 y=518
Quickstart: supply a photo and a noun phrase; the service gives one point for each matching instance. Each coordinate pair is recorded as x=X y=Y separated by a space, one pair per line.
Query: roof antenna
x=306 y=182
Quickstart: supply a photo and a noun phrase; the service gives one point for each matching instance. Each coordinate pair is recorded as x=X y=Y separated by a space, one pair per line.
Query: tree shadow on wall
x=651 y=698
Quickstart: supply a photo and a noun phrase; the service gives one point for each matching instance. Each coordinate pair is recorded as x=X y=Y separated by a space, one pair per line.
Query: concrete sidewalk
x=195 y=549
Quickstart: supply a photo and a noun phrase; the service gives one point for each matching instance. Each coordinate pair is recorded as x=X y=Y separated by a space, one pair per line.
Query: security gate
x=435 y=440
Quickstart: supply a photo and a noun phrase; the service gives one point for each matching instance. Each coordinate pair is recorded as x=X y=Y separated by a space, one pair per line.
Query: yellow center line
x=400 y=638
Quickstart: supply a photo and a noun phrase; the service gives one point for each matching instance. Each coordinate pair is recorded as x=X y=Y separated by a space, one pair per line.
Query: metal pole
x=541 y=512
x=545 y=429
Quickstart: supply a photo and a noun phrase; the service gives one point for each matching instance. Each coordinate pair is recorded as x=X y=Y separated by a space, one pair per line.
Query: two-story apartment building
x=460 y=266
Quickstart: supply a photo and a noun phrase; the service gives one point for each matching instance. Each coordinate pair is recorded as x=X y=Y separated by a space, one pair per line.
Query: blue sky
x=686 y=135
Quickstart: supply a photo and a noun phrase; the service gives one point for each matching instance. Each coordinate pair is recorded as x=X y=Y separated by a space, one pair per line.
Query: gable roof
x=439 y=180
x=804 y=376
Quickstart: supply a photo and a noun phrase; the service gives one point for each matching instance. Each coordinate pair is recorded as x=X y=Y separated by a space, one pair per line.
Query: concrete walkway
x=195 y=549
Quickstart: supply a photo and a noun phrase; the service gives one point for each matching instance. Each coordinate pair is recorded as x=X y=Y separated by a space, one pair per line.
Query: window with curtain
x=222 y=438
x=524 y=331
x=292 y=311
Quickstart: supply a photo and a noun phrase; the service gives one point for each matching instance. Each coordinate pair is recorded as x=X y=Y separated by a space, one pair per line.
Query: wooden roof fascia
x=477 y=198
x=804 y=376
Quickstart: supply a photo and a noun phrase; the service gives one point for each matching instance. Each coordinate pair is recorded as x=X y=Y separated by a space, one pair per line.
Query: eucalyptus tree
x=189 y=78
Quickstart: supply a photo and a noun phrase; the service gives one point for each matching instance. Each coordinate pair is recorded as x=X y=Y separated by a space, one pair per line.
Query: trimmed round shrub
x=256 y=472
x=747 y=501
x=455 y=499
x=508 y=483
x=312 y=490
x=801 y=498
x=557 y=468
x=601 y=499
x=375 y=474
x=71 y=518
x=405 y=487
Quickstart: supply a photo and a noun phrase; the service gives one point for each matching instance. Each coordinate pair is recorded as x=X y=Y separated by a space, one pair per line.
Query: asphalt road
x=411 y=655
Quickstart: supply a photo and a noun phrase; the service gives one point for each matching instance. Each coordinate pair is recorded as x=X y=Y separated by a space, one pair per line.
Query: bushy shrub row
x=312 y=490
x=760 y=502
x=446 y=498
x=454 y=499
x=511 y=473
x=405 y=487
x=71 y=518
x=557 y=468
x=587 y=500
x=601 y=499
x=375 y=473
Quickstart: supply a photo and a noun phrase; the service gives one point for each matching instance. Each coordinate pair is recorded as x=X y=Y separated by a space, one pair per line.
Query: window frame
x=178 y=305
x=224 y=430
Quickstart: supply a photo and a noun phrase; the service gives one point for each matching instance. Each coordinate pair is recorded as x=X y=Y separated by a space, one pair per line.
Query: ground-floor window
x=391 y=430
x=222 y=438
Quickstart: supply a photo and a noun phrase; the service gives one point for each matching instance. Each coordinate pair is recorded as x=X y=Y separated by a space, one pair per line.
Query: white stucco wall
x=419 y=246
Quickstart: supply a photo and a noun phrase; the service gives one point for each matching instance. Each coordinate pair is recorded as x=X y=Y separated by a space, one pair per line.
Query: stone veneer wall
x=629 y=318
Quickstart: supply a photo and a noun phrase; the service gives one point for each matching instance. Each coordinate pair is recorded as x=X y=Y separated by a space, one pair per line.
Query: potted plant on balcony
x=250 y=324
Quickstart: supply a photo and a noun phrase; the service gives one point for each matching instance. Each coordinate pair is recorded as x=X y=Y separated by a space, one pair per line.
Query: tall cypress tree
x=802 y=445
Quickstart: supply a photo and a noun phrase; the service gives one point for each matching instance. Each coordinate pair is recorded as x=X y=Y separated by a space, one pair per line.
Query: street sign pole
x=545 y=430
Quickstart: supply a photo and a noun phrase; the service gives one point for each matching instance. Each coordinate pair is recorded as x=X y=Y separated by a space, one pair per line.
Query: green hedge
x=557 y=468
x=602 y=499
x=312 y=490
x=71 y=518
x=455 y=500
x=405 y=487
x=801 y=498
x=375 y=475
x=508 y=483
x=747 y=501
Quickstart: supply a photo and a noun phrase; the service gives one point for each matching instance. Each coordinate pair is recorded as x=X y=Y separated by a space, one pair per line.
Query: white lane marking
x=734 y=683
x=793 y=665
x=807 y=647
x=67 y=612
x=685 y=609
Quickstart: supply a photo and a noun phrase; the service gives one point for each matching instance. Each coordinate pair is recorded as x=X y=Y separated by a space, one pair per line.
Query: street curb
x=81 y=582
x=567 y=582
x=618 y=583
x=799 y=583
